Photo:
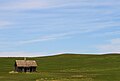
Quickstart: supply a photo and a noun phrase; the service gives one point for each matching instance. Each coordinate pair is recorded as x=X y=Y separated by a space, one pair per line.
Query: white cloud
x=106 y=34
x=113 y=46
x=48 y=38
x=21 y=54
x=12 y=44
x=55 y=36
x=29 y=4
x=34 y=4
x=4 y=24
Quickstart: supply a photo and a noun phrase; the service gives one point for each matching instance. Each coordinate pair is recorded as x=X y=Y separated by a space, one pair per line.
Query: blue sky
x=48 y=27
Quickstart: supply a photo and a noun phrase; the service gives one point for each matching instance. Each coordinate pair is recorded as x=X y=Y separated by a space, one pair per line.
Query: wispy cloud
x=31 y=4
x=27 y=4
x=21 y=54
x=113 y=33
x=48 y=38
x=36 y=4
x=51 y=37
x=5 y=24
x=113 y=46
x=36 y=22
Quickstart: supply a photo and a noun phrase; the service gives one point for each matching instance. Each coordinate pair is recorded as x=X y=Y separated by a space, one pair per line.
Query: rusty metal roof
x=26 y=63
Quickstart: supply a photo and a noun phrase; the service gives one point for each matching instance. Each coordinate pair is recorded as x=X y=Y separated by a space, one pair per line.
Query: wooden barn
x=25 y=66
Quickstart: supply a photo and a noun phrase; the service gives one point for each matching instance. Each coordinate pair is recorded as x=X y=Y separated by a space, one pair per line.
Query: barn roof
x=26 y=63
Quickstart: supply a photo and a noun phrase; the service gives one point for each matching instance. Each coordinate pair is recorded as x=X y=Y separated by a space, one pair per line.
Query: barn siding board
x=25 y=66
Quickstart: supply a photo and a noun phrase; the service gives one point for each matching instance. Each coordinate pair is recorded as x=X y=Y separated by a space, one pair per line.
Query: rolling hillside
x=66 y=67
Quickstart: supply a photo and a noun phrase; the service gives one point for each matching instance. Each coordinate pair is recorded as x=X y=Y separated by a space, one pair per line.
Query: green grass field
x=66 y=67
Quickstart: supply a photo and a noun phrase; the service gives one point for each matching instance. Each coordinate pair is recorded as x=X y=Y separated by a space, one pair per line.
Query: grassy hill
x=66 y=67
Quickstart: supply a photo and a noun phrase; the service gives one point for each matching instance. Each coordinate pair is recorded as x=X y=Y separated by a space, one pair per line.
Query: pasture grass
x=66 y=67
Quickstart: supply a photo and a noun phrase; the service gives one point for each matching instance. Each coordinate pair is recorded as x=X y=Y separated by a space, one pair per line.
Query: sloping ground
x=66 y=67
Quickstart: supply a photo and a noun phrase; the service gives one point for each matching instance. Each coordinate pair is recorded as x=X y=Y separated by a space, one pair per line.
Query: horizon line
x=60 y=54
